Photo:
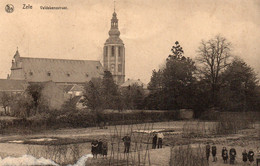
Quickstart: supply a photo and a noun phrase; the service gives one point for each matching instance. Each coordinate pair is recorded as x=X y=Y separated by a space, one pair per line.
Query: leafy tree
x=69 y=106
x=5 y=100
x=171 y=86
x=110 y=91
x=133 y=97
x=213 y=56
x=34 y=90
x=94 y=98
x=156 y=81
x=22 y=106
x=101 y=93
x=239 y=87
x=178 y=78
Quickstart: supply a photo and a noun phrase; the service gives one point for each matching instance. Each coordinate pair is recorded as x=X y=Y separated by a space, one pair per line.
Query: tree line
x=215 y=79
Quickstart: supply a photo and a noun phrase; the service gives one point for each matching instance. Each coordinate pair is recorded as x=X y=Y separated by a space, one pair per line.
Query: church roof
x=7 y=85
x=58 y=70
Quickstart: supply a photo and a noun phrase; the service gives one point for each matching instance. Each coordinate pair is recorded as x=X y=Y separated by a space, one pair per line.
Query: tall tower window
x=112 y=51
x=119 y=67
x=119 y=51
x=106 y=51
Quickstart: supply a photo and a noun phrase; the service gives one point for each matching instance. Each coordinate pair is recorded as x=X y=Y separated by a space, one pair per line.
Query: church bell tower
x=114 y=53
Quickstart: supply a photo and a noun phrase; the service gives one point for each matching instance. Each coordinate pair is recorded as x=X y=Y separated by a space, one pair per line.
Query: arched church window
x=119 y=51
x=49 y=73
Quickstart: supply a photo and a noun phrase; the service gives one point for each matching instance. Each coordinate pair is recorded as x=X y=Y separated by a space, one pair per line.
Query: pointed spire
x=114 y=32
x=114 y=20
x=114 y=6
x=17 y=52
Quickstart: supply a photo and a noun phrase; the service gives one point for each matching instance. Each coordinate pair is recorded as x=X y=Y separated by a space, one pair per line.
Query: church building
x=60 y=71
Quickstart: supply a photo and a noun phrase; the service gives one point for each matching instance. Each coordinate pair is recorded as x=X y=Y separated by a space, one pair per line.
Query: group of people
x=247 y=156
x=99 y=147
x=157 y=140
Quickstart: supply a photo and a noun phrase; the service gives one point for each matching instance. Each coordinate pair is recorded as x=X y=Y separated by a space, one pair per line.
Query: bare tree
x=213 y=56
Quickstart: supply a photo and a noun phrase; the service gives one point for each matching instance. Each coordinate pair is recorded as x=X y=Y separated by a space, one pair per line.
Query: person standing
x=94 y=148
x=100 y=144
x=160 y=137
x=104 y=149
x=207 y=151
x=225 y=154
x=258 y=156
x=154 y=141
x=127 y=142
x=251 y=156
x=214 y=153
x=244 y=157
x=232 y=154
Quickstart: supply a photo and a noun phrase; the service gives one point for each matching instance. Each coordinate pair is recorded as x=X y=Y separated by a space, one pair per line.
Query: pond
x=16 y=152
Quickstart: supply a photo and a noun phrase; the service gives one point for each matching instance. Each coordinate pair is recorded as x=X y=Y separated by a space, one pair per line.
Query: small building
x=138 y=82
x=132 y=82
x=73 y=90
x=12 y=86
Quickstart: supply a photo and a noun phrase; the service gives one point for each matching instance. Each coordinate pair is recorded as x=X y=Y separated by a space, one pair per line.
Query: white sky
x=148 y=28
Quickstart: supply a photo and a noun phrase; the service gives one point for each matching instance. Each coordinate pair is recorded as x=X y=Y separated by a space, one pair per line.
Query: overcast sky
x=148 y=28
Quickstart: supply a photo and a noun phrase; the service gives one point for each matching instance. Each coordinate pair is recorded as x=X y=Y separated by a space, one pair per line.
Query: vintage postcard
x=129 y=82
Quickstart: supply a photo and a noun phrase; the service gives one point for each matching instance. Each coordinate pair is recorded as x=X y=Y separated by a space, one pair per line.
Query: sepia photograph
x=129 y=82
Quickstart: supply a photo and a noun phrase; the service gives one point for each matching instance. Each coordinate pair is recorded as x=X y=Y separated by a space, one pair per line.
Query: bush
x=76 y=119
